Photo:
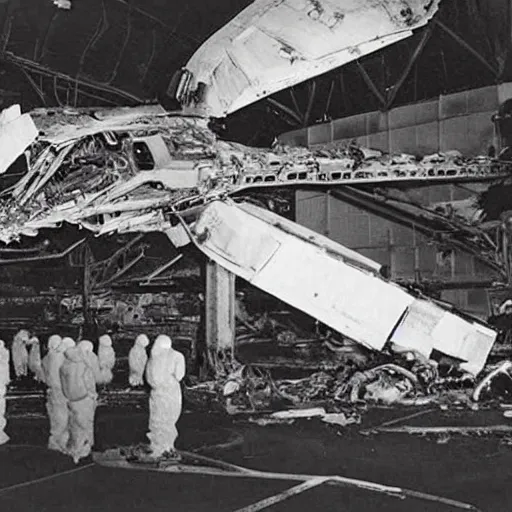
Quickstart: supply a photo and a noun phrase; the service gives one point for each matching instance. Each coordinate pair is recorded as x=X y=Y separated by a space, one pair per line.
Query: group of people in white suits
x=72 y=371
x=26 y=355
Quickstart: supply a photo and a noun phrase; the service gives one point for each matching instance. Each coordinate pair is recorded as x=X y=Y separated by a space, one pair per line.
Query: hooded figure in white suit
x=4 y=380
x=67 y=342
x=34 y=359
x=92 y=359
x=164 y=371
x=20 y=353
x=79 y=387
x=107 y=358
x=137 y=360
x=56 y=402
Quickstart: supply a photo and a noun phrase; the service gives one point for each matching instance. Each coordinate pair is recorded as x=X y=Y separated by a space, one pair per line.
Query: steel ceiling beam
x=285 y=109
x=34 y=67
x=191 y=41
x=296 y=104
x=493 y=69
x=329 y=98
x=371 y=84
x=425 y=37
x=311 y=99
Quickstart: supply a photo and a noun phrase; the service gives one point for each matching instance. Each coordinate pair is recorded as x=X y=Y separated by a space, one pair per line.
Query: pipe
x=37 y=248
x=162 y=268
x=224 y=469
x=50 y=257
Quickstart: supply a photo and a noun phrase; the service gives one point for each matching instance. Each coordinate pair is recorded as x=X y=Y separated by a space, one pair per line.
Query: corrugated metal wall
x=407 y=252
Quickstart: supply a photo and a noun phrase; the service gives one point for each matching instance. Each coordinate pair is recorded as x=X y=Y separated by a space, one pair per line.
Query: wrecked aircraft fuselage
x=145 y=170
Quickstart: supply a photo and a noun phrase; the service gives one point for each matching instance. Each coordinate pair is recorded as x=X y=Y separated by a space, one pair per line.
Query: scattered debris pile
x=348 y=392
x=399 y=378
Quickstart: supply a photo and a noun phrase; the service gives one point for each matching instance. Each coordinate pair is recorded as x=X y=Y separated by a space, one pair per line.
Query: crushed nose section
x=273 y=45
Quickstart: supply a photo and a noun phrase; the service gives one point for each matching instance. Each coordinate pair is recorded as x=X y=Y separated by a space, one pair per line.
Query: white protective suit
x=34 y=359
x=56 y=402
x=20 y=353
x=67 y=342
x=4 y=380
x=91 y=359
x=107 y=358
x=137 y=360
x=164 y=371
x=79 y=387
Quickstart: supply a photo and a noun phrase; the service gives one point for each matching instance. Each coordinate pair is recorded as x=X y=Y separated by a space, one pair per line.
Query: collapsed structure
x=140 y=170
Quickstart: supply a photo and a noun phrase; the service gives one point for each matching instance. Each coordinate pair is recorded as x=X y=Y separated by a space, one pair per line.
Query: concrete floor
x=476 y=470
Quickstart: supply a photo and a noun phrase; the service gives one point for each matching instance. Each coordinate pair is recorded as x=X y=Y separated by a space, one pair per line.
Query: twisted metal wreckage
x=90 y=172
x=141 y=169
x=89 y=169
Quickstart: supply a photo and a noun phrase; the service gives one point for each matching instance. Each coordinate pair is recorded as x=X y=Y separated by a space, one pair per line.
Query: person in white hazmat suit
x=67 y=342
x=79 y=387
x=93 y=363
x=92 y=360
x=20 y=353
x=4 y=380
x=164 y=371
x=34 y=359
x=56 y=402
x=137 y=360
x=107 y=358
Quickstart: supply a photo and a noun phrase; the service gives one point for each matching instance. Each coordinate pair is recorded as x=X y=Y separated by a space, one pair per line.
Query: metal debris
x=385 y=384
x=270 y=46
x=484 y=385
x=142 y=169
x=99 y=167
x=299 y=413
x=477 y=430
x=341 y=419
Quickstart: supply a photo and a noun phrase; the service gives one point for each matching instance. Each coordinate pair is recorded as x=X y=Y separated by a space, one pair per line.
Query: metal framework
x=105 y=272
x=386 y=94
x=45 y=257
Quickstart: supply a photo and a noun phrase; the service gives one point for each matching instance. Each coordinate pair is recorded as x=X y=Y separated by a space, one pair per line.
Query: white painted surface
x=356 y=303
x=17 y=132
x=272 y=45
x=426 y=327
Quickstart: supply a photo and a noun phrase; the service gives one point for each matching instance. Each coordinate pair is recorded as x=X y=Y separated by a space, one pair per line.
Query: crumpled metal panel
x=357 y=303
x=331 y=283
x=275 y=44
x=426 y=327
x=17 y=132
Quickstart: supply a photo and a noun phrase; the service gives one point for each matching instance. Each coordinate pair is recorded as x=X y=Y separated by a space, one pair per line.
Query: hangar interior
x=290 y=210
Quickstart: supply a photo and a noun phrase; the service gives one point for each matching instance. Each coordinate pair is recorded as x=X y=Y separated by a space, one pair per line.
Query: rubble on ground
x=503 y=371
x=251 y=390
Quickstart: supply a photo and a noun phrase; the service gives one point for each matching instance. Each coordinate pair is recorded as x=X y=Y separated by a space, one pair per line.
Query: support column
x=87 y=288
x=220 y=317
